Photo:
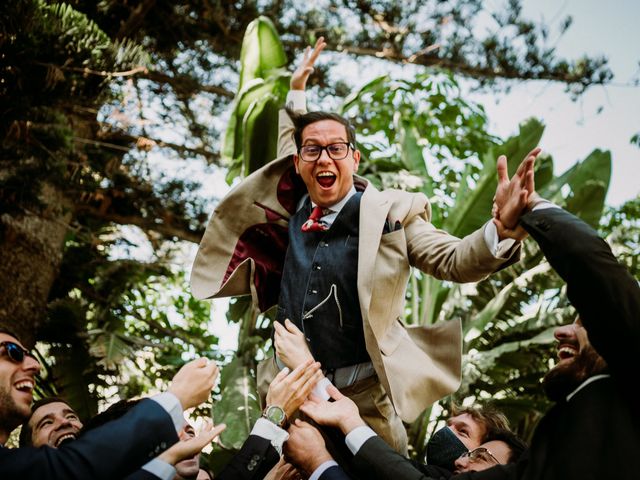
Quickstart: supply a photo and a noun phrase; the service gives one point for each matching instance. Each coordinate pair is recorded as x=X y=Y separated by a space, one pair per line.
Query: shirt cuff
x=542 y=204
x=320 y=470
x=320 y=390
x=498 y=248
x=356 y=438
x=171 y=404
x=270 y=431
x=296 y=100
x=160 y=469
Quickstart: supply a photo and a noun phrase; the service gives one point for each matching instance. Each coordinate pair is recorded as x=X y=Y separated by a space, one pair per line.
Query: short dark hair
x=303 y=120
x=9 y=332
x=490 y=418
x=26 y=433
x=516 y=445
x=115 y=411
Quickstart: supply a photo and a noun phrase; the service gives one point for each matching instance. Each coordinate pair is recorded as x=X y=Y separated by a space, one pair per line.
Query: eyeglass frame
x=325 y=148
x=10 y=347
x=473 y=457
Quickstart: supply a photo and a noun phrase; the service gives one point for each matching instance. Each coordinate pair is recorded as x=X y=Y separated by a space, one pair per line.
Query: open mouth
x=25 y=386
x=567 y=351
x=326 y=179
x=67 y=437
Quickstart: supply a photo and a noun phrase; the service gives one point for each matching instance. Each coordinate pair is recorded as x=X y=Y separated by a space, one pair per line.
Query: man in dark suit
x=109 y=452
x=593 y=430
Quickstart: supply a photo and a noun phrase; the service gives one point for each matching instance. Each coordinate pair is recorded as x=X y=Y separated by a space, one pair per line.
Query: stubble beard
x=563 y=379
x=11 y=415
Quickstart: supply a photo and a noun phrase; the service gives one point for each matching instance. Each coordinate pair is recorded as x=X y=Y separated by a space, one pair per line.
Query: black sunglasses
x=15 y=352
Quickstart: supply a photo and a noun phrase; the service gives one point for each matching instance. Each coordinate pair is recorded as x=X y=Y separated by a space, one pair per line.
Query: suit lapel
x=374 y=208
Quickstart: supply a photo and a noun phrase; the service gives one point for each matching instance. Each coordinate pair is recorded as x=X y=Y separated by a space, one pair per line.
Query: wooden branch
x=185 y=83
x=101 y=73
x=145 y=224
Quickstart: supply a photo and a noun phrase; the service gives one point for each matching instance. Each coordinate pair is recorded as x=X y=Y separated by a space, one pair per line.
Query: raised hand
x=512 y=195
x=188 y=448
x=290 y=390
x=305 y=447
x=291 y=346
x=301 y=74
x=194 y=381
x=343 y=413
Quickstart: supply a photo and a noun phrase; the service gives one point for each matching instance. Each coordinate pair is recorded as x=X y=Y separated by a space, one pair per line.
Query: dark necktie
x=312 y=224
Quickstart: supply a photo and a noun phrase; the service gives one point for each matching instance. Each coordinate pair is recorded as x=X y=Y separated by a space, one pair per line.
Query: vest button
x=316 y=266
x=324 y=244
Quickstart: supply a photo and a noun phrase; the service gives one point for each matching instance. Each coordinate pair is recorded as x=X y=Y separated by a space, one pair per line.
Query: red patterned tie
x=312 y=224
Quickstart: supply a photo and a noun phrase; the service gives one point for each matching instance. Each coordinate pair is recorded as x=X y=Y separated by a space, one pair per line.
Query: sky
x=574 y=128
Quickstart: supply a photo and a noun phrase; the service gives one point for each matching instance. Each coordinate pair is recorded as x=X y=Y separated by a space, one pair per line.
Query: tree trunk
x=31 y=248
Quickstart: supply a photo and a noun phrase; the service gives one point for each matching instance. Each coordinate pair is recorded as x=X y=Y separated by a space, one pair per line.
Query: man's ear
x=356 y=160
x=296 y=160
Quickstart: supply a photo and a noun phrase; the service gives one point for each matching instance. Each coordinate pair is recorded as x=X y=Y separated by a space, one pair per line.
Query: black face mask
x=444 y=448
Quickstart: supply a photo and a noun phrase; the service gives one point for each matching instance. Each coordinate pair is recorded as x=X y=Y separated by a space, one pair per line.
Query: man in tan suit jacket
x=245 y=248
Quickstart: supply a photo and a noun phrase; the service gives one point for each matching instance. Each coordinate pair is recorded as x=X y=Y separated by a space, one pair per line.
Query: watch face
x=275 y=414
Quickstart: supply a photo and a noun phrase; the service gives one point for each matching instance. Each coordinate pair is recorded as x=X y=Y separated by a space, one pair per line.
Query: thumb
x=291 y=327
x=334 y=392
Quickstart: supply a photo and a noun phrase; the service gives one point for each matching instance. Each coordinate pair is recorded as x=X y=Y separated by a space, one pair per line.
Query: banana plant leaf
x=239 y=407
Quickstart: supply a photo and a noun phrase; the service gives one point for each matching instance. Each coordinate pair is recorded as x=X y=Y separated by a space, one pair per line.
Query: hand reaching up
x=343 y=413
x=305 y=69
x=512 y=195
x=291 y=346
x=290 y=390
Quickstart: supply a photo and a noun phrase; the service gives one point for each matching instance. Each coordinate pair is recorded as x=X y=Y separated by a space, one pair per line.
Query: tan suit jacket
x=417 y=365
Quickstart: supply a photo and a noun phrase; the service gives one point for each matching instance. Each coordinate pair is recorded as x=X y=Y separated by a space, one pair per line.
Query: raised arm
x=298 y=83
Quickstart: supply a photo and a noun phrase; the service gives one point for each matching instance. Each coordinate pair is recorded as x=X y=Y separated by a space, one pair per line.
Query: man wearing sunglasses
x=111 y=451
x=334 y=254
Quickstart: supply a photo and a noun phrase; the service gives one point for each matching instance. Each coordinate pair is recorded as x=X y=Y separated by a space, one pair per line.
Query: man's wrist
x=351 y=423
x=276 y=415
x=317 y=460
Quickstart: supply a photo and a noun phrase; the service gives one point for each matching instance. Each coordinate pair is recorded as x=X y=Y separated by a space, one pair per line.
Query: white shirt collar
x=587 y=382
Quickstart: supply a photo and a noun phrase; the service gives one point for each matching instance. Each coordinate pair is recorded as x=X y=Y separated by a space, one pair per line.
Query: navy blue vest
x=319 y=291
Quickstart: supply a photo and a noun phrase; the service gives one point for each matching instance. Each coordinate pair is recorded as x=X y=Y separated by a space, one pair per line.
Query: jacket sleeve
x=254 y=460
x=334 y=473
x=111 y=451
x=376 y=459
x=447 y=257
x=602 y=290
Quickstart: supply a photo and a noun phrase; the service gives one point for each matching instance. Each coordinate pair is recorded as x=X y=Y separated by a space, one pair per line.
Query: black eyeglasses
x=15 y=352
x=480 y=454
x=336 y=151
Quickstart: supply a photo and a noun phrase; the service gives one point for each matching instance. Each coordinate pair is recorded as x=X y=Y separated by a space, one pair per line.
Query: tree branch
x=146 y=224
x=185 y=83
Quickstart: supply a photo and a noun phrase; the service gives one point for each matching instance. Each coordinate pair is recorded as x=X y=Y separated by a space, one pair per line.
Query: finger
x=334 y=392
x=305 y=56
x=306 y=383
x=282 y=374
x=278 y=327
x=292 y=327
x=530 y=182
x=299 y=371
x=218 y=429
x=320 y=44
x=501 y=168
x=528 y=161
